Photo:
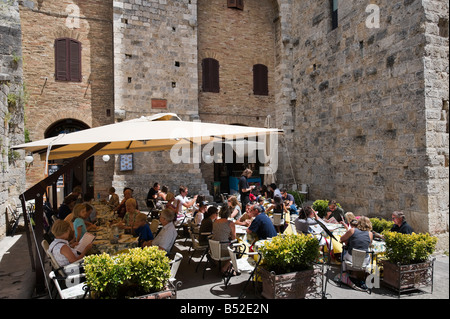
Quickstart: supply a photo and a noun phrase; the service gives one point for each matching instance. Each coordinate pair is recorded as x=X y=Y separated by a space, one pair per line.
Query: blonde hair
x=78 y=209
x=349 y=217
x=234 y=201
x=60 y=227
x=141 y=217
x=170 y=196
x=364 y=224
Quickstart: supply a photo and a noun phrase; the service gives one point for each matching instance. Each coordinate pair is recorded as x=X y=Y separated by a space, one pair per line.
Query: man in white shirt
x=182 y=198
x=168 y=234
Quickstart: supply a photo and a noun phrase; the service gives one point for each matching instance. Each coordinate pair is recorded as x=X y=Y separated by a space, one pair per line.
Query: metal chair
x=196 y=245
x=358 y=264
x=215 y=254
x=304 y=190
x=77 y=291
x=240 y=264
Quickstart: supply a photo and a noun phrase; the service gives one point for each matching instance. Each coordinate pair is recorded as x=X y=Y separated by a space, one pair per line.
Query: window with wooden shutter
x=67 y=60
x=237 y=4
x=260 y=79
x=210 y=75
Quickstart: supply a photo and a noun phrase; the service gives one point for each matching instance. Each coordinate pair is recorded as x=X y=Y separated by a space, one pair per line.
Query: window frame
x=68 y=66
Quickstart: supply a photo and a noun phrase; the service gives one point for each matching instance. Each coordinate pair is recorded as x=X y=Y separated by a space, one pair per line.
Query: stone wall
x=363 y=116
x=89 y=101
x=155 y=59
x=436 y=78
x=12 y=96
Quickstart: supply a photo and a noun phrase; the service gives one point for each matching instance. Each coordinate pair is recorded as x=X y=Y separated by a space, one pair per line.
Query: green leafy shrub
x=321 y=205
x=289 y=253
x=138 y=272
x=380 y=224
x=409 y=248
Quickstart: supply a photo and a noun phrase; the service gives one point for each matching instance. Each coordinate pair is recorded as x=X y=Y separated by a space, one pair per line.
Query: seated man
x=166 y=237
x=261 y=225
x=152 y=195
x=289 y=201
x=334 y=214
x=183 y=200
x=400 y=224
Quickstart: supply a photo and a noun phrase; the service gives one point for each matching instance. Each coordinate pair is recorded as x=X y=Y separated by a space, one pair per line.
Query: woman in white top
x=60 y=248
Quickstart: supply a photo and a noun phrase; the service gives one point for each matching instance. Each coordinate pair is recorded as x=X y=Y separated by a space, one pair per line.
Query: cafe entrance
x=81 y=174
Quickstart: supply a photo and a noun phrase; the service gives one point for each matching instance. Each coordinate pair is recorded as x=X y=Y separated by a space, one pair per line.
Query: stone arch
x=54 y=116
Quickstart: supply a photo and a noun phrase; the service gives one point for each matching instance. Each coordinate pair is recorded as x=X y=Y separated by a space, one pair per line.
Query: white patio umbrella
x=154 y=133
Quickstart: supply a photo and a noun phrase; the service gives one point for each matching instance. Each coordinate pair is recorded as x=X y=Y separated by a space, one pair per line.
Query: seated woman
x=224 y=231
x=307 y=222
x=207 y=225
x=360 y=238
x=81 y=213
x=60 y=248
x=113 y=201
x=172 y=204
x=129 y=220
x=236 y=209
x=350 y=221
x=200 y=213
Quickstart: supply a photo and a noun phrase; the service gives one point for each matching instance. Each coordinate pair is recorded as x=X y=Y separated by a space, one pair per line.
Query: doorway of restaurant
x=227 y=170
x=80 y=175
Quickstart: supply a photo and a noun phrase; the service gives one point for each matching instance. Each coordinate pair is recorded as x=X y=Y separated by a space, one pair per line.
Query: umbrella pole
x=37 y=192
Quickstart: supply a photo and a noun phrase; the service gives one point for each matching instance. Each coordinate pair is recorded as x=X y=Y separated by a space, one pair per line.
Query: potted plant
x=140 y=271
x=380 y=225
x=407 y=264
x=287 y=266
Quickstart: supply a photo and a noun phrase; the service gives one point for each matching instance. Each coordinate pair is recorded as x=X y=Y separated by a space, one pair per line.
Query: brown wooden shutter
x=240 y=4
x=61 y=60
x=75 y=60
x=260 y=80
x=210 y=75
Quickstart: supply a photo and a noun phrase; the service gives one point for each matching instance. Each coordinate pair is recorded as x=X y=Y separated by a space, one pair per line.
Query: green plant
x=408 y=248
x=321 y=206
x=289 y=253
x=138 y=272
x=380 y=225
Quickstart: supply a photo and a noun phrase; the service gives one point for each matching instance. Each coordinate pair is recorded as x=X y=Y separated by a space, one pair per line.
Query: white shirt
x=182 y=200
x=166 y=237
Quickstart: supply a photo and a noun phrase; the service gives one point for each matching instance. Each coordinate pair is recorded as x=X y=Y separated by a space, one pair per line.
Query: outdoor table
x=102 y=242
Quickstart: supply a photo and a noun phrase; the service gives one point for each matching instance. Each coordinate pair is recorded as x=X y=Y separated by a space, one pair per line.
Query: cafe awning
x=153 y=133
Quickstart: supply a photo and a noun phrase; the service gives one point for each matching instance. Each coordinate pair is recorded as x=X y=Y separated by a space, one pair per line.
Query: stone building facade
x=12 y=97
x=56 y=105
x=361 y=92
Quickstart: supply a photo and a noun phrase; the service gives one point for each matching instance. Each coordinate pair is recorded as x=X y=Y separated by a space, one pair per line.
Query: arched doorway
x=82 y=174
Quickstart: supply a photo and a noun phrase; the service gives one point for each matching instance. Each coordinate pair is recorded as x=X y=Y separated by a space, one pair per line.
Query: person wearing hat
x=200 y=213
